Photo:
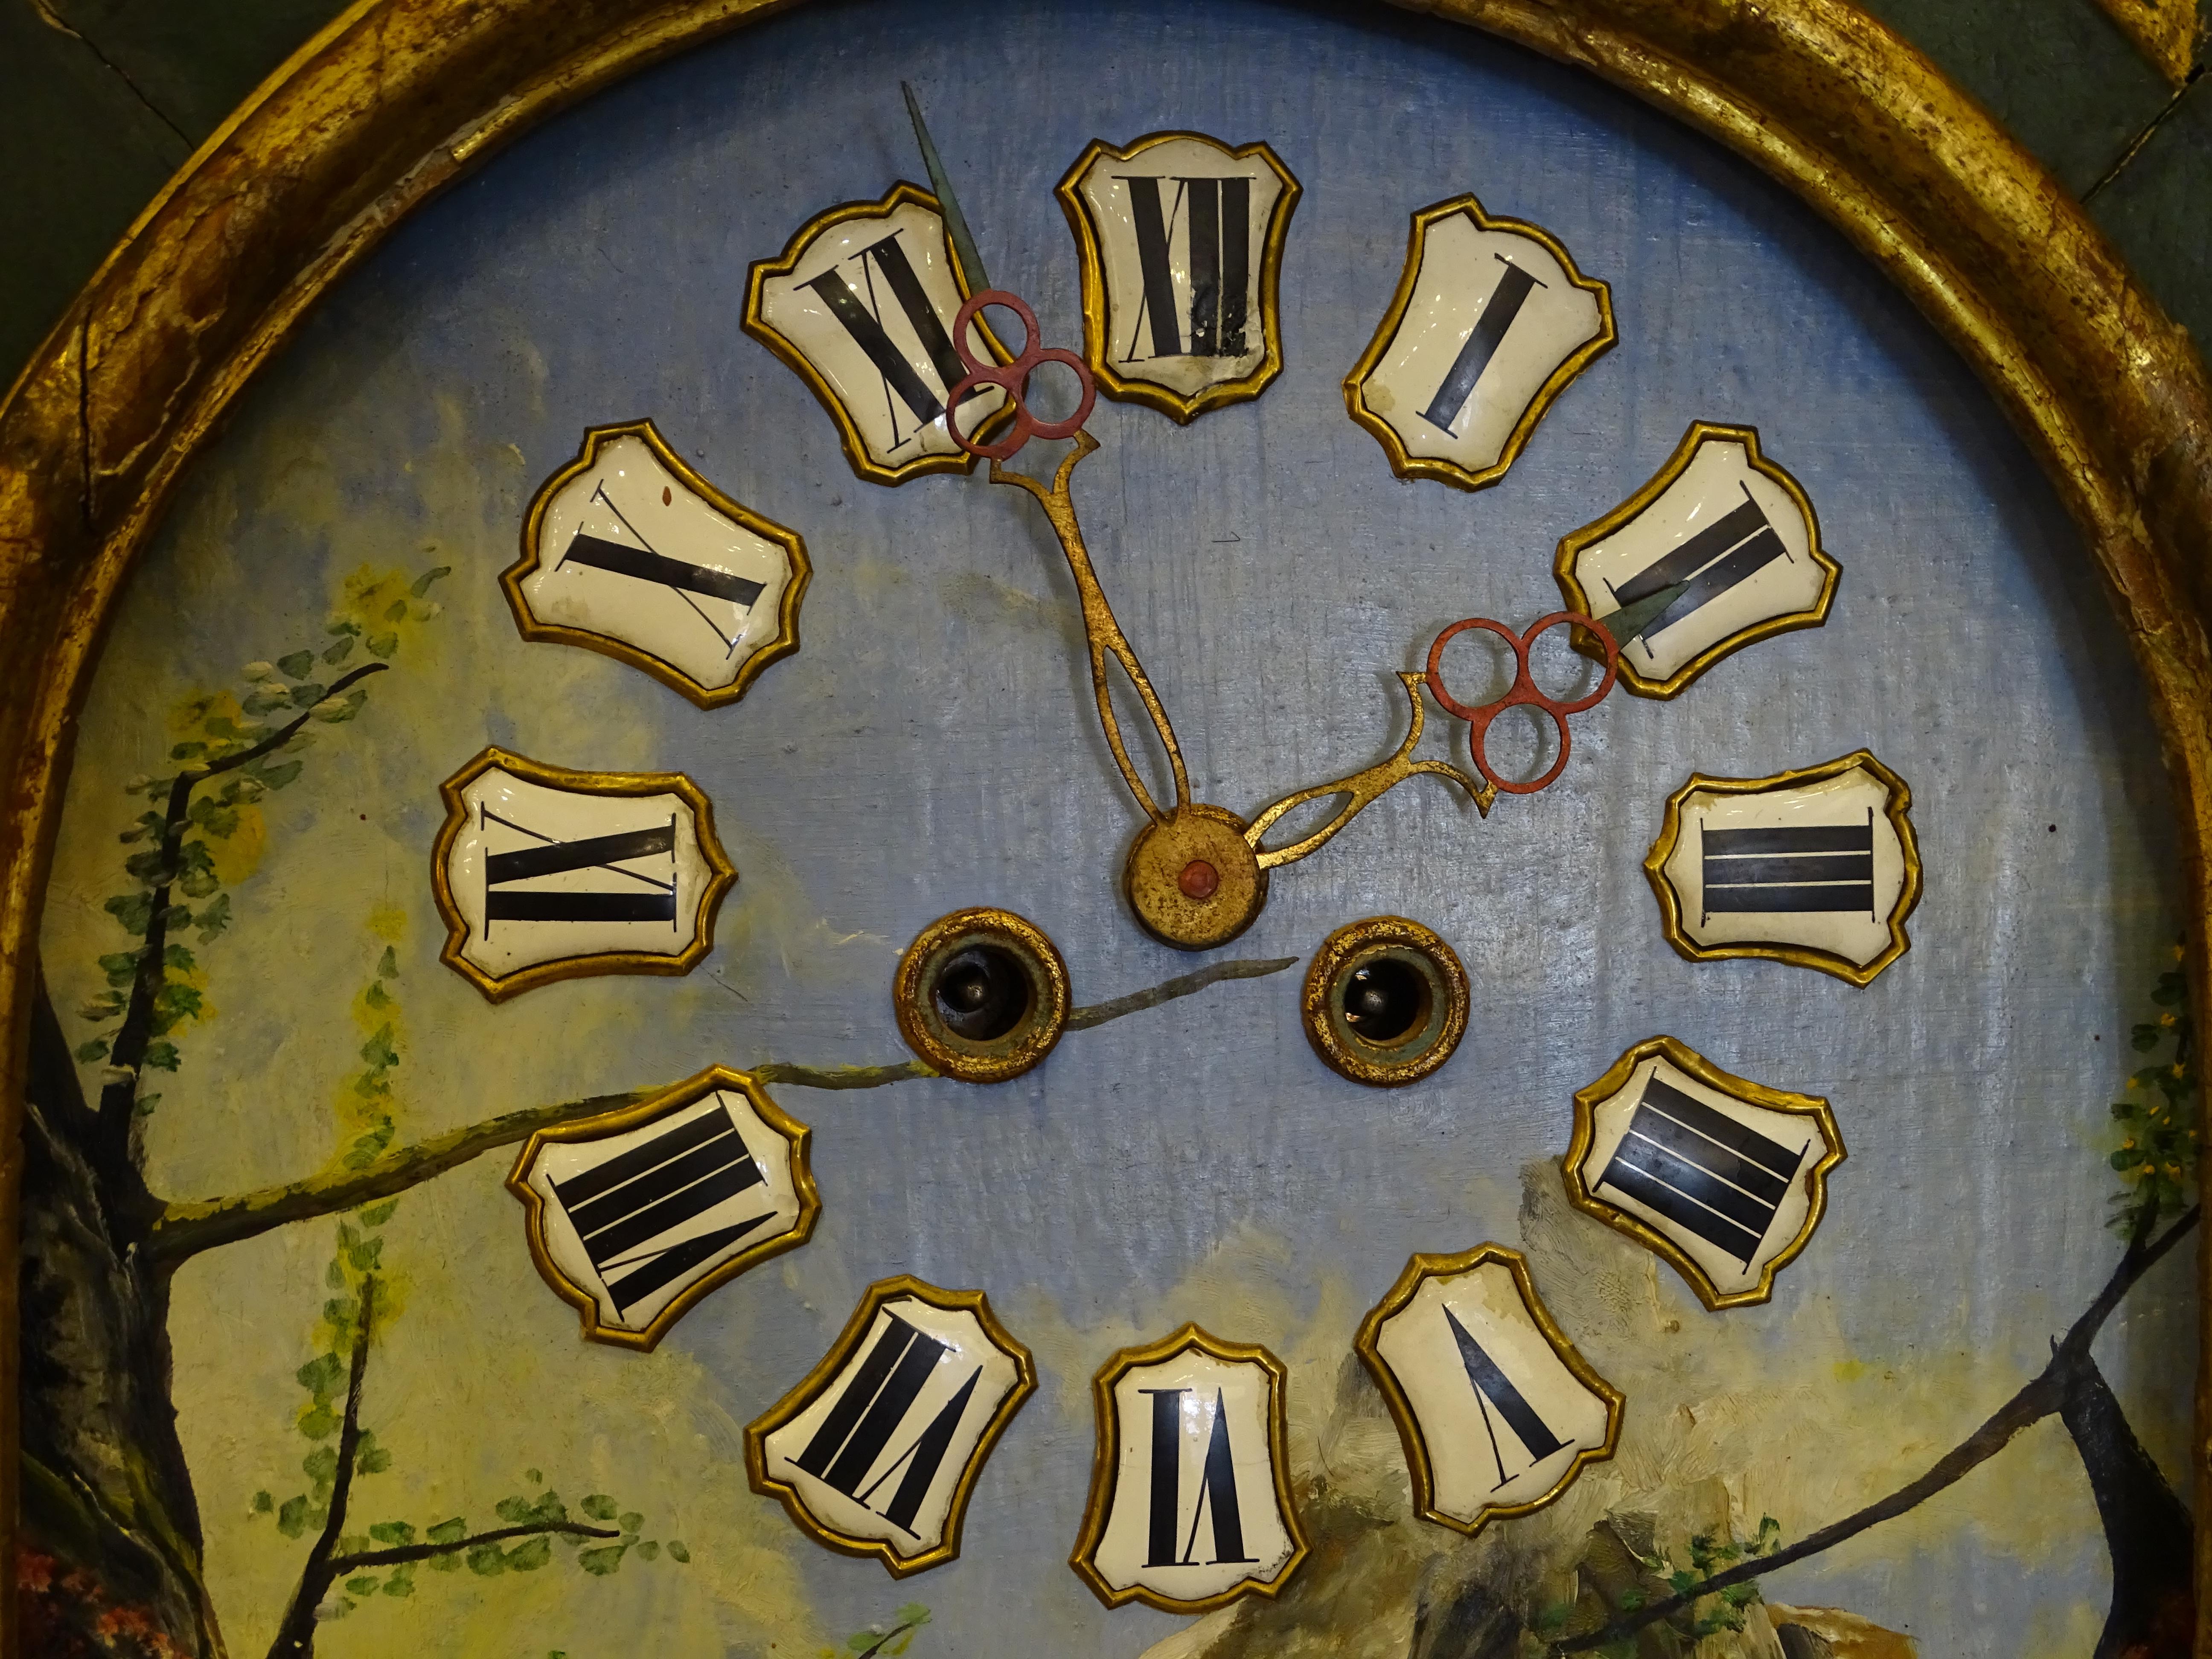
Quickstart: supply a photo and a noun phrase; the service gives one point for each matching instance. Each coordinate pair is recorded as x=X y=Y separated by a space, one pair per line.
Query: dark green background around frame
x=101 y=100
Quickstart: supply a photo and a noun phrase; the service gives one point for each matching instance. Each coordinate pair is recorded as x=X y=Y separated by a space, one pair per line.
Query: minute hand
x=1101 y=632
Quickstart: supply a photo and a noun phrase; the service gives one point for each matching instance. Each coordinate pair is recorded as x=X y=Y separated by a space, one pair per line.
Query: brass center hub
x=1192 y=880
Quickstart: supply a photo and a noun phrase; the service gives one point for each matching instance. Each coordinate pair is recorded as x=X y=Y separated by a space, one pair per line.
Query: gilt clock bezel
x=396 y=99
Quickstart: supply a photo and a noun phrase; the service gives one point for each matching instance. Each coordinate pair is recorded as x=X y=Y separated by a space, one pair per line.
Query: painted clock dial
x=601 y=971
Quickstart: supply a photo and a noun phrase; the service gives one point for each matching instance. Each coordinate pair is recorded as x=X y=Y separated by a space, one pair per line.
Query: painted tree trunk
x=2147 y=1527
x=112 y=1543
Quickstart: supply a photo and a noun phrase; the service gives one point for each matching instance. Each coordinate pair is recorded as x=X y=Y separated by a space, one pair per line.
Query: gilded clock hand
x=1363 y=788
x=956 y=222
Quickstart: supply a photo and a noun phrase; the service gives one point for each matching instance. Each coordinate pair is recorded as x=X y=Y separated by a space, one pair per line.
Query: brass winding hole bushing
x=1385 y=1001
x=981 y=995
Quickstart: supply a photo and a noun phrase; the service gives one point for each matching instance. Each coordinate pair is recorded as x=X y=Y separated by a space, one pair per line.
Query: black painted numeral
x=1493 y=1388
x=863 y=322
x=874 y=1407
x=1808 y=868
x=1733 y=549
x=1701 y=1169
x=1219 y=212
x=1216 y=1488
x=1498 y=311
x=503 y=902
x=645 y=565
x=658 y=1189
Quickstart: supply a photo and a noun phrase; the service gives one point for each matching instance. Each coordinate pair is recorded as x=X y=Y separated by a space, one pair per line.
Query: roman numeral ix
x=505 y=902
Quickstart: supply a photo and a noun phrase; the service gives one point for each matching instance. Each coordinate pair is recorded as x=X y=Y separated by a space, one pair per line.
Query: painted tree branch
x=2041 y=1397
x=401 y=1554
x=118 y=1100
x=185 y=1229
x=295 y=1637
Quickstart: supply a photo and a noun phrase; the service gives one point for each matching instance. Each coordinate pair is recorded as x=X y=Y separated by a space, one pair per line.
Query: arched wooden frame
x=397 y=99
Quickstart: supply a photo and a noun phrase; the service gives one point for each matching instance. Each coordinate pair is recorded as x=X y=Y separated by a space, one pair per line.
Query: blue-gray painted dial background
x=932 y=745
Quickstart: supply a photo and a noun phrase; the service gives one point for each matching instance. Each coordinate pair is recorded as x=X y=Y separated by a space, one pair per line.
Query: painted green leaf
x=677 y=1550
x=375 y=1215
x=296 y=665
x=382 y=644
x=341 y=651
x=602 y=1561
x=88 y=1052
x=292 y=1517
x=448 y=1532
x=393 y=1532
x=133 y=910
x=861 y=1640
x=395 y=610
x=422 y=582
x=648 y=1550
x=401 y=1582
x=263 y=1503
x=278 y=776
x=531 y=1554
x=366 y=1585
x=631 y=1521
x=213 y=917
x=321 y=1465
x=486 y=1561
x=600 y=1507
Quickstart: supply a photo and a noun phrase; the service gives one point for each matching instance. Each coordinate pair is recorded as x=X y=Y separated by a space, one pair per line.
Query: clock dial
x=247 y=990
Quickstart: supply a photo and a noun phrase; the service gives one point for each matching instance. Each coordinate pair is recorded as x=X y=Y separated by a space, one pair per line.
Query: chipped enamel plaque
x=628 y=551
x=1497 y=1411
x=862 y=304
x=1190 y=1504
x=1490 y=322
x=1722 y=518
x=1725 y=1178
x=877 y=1451
x=1181 y=242
x=636 y=1214
x=542 y=874
x=1817 y=867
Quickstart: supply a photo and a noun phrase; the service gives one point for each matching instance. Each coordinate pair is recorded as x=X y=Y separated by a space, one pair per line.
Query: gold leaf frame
x=394 y=100
x=840 y=1355
x=498 y=987
x=1896 y=810
x=701 y=696
x=1685 y=1058
x=1368 y=1344
x=1407 y=464
x=1098 y=310
x=1105 y=1468
x=1574 y=542
x=714 y=1079
x=902 y=194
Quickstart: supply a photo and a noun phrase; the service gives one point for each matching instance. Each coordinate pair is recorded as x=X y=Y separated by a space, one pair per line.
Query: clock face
x=1541 y=1200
